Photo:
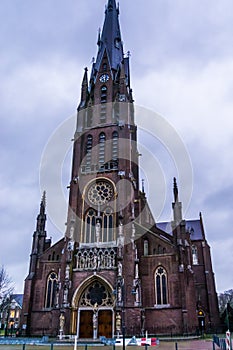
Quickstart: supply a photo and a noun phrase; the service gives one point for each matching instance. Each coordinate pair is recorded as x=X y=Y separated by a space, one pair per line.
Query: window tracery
x=161 y=286
x=96 y=258
x=98 y=294
x=51 y=290
x=90 y=222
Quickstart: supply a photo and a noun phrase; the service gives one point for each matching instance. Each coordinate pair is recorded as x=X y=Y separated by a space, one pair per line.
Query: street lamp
x=120 y=302
x=123 y=311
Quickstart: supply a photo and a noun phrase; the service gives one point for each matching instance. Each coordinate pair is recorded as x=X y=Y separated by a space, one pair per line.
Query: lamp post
x=228 y=325
x=120 y=302
x=123 y=311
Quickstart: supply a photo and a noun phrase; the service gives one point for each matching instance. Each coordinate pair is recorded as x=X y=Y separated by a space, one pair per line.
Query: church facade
x=116 y=271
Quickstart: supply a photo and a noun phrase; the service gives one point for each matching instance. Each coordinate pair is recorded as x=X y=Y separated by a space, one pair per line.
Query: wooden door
x=105 y=323
x=86 y=324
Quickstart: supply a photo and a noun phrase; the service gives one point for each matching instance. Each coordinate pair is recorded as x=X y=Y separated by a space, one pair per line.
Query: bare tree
x=6 y=287
x=224 y=299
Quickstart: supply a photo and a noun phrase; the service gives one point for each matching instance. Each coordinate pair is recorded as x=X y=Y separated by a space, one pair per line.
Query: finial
x=99 y=38
x=175 y=190
x=43 y=199
x=43 y=203
x=143 y=188
x=118 y=8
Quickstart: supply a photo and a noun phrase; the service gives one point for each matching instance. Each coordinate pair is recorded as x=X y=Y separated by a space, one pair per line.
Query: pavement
x=186 y=345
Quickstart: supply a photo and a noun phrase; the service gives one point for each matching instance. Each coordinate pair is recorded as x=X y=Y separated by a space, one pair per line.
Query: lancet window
x=89 y=150
x=90 y=222
x=146 y=247
x=89 y=116
x=103 y=100
x=194 y=255
x=51 y=290
x=107 y=226
x=115 y=146
x=102 y=140
x=161 y=292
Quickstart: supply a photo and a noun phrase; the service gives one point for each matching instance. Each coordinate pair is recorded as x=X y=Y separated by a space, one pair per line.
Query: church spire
x=176 y=205
x=84 y=90
x=110 y=39
x=175 y=190
x=41 y=218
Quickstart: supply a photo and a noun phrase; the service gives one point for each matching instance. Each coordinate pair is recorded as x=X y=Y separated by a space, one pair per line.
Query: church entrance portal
x=96 y=316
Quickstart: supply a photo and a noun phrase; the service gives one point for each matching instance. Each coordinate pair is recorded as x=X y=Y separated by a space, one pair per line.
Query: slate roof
x=18 y=298
x=110 y=39
x=193 y=226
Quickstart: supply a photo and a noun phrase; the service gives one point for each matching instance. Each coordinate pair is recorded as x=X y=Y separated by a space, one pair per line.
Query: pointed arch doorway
x=95 y=306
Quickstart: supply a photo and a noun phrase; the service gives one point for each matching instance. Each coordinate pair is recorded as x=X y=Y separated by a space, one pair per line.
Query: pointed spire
x=43 y=203
x=85 y=80
x=175 y=190
x=176 y=205
x=110 y=38
x=84 y=89
x=41 y=218
x=99 y=38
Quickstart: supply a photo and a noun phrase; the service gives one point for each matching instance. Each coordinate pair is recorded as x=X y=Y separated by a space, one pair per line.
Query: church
x=116 y=271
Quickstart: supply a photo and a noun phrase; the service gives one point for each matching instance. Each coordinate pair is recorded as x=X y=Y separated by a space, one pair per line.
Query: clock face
x=104 y=78
x=100 y=193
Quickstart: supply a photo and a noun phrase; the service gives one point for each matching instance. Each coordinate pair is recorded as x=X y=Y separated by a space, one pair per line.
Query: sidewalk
x=186 y=345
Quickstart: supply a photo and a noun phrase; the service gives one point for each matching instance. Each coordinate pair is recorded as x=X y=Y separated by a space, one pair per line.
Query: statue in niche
x=119 y=268
x=95 y=316
x=72 y=233
x=118 y=322
x=67 y=275
x=62 y=322
x=119 y=294
x=65 y=297
x=97 y=231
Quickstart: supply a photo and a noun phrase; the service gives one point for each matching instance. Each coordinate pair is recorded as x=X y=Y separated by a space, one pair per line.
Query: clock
x=100 y=193
x=104 y=78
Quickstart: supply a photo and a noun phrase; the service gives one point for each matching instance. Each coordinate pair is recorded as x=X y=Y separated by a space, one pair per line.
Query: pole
x=176 y=346
x=75 y=342
x=123 y=312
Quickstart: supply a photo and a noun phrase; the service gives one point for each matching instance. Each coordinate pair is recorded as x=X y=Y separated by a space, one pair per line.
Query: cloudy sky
x=181 y=68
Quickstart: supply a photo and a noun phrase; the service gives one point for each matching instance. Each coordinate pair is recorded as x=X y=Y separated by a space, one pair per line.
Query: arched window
x=89 y=116
x=90 y=222
x=103 y=96
x=146 y=247
x=194 y=255
x=102 y=140
x=103 y=100
x=107 y=229
x=88 y=150
x=115 y=145
x=161 y=286
x=51 y=290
